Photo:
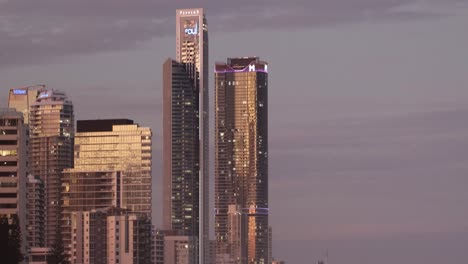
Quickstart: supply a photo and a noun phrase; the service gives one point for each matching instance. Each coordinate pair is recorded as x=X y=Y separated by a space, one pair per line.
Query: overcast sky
x=368 y=107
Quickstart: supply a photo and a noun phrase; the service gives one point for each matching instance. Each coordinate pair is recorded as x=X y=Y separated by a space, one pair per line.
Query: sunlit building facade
x=241 y=159
x=112 y=168
x=51 y=125
x=118 y=145
x=13 y=157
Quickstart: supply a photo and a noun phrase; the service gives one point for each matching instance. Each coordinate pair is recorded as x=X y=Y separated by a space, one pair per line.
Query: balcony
x=8 y=168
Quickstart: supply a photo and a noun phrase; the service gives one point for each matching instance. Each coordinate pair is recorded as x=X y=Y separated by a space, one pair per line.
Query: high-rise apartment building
x=118 y=145
x=51 y=124
x=36 y=211
x=110 y=235
x=187 y=74
x=84 y=191
x=241 y=158
x=112 y=168
x=181 y=148
x=13 y=137
x=22 y=98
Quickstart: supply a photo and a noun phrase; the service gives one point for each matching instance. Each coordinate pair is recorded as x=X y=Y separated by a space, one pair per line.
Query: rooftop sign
x=19 y=91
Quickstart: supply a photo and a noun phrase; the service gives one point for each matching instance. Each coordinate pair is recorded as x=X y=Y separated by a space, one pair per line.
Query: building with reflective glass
x=116 y=145
x=181 y=148
x=112 y=168
x=185 y=82
x=51 y=124
x=241 y=161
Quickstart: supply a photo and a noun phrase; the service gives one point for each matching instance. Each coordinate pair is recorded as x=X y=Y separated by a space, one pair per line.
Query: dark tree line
x=57 y=253
x=10 y=240
x=10 y=244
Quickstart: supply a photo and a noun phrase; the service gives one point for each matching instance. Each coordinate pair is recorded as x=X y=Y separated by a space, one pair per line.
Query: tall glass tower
x=186 y=130
x=241 y=161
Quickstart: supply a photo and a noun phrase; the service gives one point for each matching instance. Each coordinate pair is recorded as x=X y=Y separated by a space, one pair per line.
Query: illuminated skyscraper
x=186 y=130
x=13 y=178
x=51 y=125
x=241 y=160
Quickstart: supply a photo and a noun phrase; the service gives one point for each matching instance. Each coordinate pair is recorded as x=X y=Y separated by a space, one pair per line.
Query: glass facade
x=181 y=149
x=241 y=158
x=112 y=168
x=125 y=148
x=191 y=49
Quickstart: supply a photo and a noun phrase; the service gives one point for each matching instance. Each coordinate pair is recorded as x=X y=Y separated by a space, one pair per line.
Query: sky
x=368 y=101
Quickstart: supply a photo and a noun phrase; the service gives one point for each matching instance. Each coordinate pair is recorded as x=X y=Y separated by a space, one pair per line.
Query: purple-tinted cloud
x=33 y=32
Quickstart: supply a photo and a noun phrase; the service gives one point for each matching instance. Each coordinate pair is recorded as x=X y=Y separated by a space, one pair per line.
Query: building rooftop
x=100 y=125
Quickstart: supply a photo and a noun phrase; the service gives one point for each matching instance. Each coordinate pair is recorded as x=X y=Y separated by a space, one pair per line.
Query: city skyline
x=375 y=151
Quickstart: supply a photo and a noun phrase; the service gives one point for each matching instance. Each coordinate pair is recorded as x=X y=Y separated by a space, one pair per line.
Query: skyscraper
x=187 y=188
x=241 y=158
x=51 y=151
x=13 y=137
x=181 y=148
x=22 y=99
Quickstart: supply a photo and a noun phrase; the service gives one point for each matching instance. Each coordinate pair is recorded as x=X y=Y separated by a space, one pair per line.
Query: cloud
x=383 y=175
x=34 y=32
x=415 y=141
x=434 y=8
